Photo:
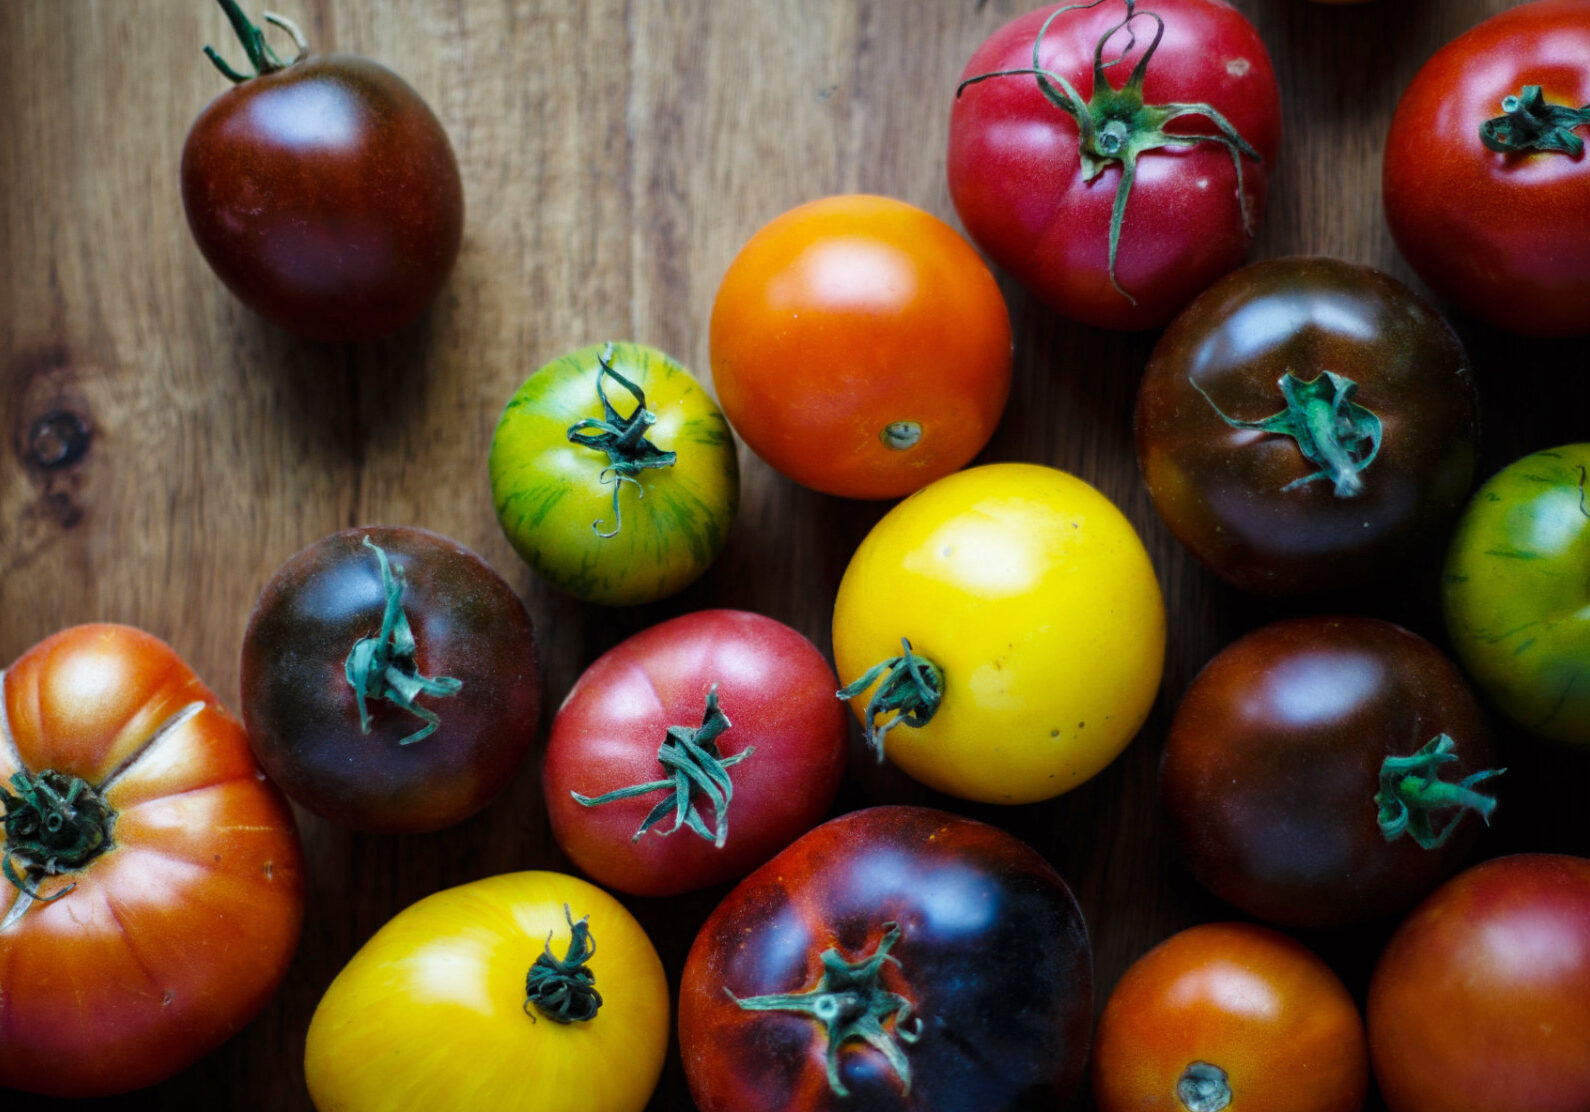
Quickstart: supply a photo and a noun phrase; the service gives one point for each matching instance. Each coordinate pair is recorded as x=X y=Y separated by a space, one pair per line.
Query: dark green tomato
x=1517 y=592
x=954 y=943
x=1275 y=779
x=614 y=474
x=1371 y=462
x=460 y=705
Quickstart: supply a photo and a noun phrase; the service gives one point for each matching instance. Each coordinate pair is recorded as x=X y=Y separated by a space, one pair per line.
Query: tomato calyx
x=383 y=667
x=1115 y=126
x=1331 y=430
x=622 y=438
x=55 y=823
x=1411 y=790
x=1203 y=1087
x=697 y=770
x=1529 y=123
x=912 y=689
x=564 y=989
x=850 y=1002
x=260 y=55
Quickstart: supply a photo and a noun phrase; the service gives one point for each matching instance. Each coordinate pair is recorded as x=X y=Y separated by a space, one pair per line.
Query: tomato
x=1116 y=203
x=390 y=680
x=892 y=958
x=1481 y=1000
x=1514 y=592
x=617 y=508
x=1230 y=1015
x=1484 y=180
x=323 y=192
x=861 y=347
x=527 y=992
x=692 y=752
x=1307 y=424
x=1002 y=633
x=1322 y=770
x=156 y=878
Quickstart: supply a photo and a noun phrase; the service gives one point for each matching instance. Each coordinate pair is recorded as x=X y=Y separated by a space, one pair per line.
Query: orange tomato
x=861 y=347
x=153 y=878
x=1233 y=1016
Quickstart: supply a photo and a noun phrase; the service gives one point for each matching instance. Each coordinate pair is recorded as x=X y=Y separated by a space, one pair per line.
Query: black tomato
x=1307 y=424
x=892 y=958
x=390 y=680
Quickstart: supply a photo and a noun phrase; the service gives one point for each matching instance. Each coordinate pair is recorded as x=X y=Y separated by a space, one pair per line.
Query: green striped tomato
x=614 y=474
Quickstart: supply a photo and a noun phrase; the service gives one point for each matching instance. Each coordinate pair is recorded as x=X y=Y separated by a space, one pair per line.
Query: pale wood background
x=615 y=154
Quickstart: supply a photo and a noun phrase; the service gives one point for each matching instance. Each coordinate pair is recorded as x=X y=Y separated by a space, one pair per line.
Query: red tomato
x=861 y=347
x=1481 y=1000
x=895 y=958
x=753 y=693
x=1230 y=1015
x=155 y=874
x=323 y=192
x=1502 y=233
x=1045 y=195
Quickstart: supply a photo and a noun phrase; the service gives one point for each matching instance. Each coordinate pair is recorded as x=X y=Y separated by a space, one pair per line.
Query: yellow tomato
x=432 y=1012
x=1036 y=605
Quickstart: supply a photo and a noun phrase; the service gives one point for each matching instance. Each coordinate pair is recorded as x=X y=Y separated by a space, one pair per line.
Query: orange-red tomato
x=861 y=347
x=150 y=912
x=1230 y=1015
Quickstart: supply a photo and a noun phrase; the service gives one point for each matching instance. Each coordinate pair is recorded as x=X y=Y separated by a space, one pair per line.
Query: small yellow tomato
x=435 y=1012
x=1026 y=599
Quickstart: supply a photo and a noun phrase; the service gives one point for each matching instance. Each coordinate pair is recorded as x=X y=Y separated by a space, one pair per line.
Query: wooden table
x=615 y=154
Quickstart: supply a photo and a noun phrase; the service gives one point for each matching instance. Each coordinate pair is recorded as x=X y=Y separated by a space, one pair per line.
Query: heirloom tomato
x=895 y=958
x=692 y=752
x=1321 y=770
x=615 y=508
x=1001 y=632
x=1230 y=1015
x=322 y=190
x=1307 y=424
x=527 y=992
x=1516 y=597
x=861 y=347
x=390 y=680
x=1116 y=204
x=1485 y=175
x=1481 y=1000
x=155 y=879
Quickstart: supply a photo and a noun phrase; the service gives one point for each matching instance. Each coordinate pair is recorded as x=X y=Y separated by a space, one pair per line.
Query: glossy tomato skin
x=179 y=931
x=1242 y=1008
x=1228 y=493
x=992 y=956
x=555 y=498
x=1034 y=597
x=1515 y=595
x=302 y=712
x=777 y=691
x=1272 y=767
x=1017 y=181
x=432 y=1013
x=1502 y=236
x=1481 y=1000
x=326 y=196
x=861 y=347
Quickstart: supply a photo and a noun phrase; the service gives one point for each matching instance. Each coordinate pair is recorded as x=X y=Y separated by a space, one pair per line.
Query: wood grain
x=615 y=154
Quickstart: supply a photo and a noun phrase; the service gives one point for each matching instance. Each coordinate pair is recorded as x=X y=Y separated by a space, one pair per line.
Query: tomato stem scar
x=1203 y=1087
x=564 y=990
x=913 y=689
x=1411 y=789
x=622 y=438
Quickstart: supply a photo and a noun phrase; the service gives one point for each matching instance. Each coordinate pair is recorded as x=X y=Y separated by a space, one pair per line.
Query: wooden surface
x=615 y=154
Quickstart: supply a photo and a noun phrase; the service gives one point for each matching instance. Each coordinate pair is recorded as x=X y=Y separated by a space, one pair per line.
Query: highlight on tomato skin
x=153 y=878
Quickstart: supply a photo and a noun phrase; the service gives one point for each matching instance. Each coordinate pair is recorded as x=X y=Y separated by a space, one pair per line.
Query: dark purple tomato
x=1323 y=770
x=390 y=680
x=1307 y=424
x=892 y=958
x=323 y=192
